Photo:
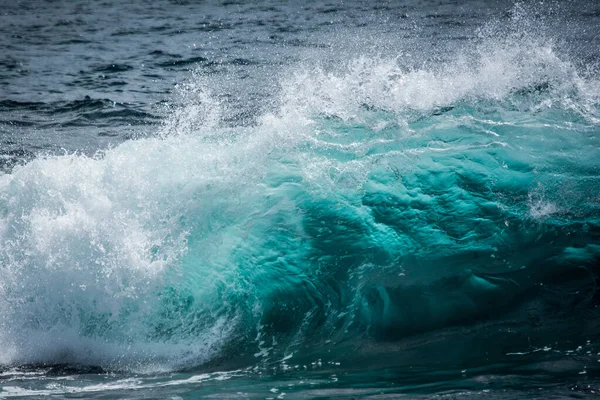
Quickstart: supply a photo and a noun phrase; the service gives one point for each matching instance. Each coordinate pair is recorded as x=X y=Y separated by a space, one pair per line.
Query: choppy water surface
x=348 y=200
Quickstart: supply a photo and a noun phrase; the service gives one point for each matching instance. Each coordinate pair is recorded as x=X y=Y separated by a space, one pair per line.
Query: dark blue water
x=287 y=200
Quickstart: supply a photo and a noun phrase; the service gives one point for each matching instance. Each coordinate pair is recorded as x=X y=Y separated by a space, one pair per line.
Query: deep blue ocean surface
x=299 y=200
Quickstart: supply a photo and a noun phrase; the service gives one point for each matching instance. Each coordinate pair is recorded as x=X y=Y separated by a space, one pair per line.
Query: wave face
x=373 y=206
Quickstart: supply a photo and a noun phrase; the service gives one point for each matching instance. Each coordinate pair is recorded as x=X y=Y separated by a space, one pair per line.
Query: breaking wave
x=373 y=203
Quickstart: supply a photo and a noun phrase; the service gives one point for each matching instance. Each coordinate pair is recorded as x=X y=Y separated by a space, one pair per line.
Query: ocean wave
x=373 y=203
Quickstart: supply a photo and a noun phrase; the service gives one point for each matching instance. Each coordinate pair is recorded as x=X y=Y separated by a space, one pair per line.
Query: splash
x=375 y=203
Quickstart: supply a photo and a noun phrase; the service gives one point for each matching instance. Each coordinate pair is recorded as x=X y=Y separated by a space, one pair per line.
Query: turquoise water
x=378 y=230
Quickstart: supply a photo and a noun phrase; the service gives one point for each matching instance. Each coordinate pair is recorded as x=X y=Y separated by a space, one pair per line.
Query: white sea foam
x=495 y=70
